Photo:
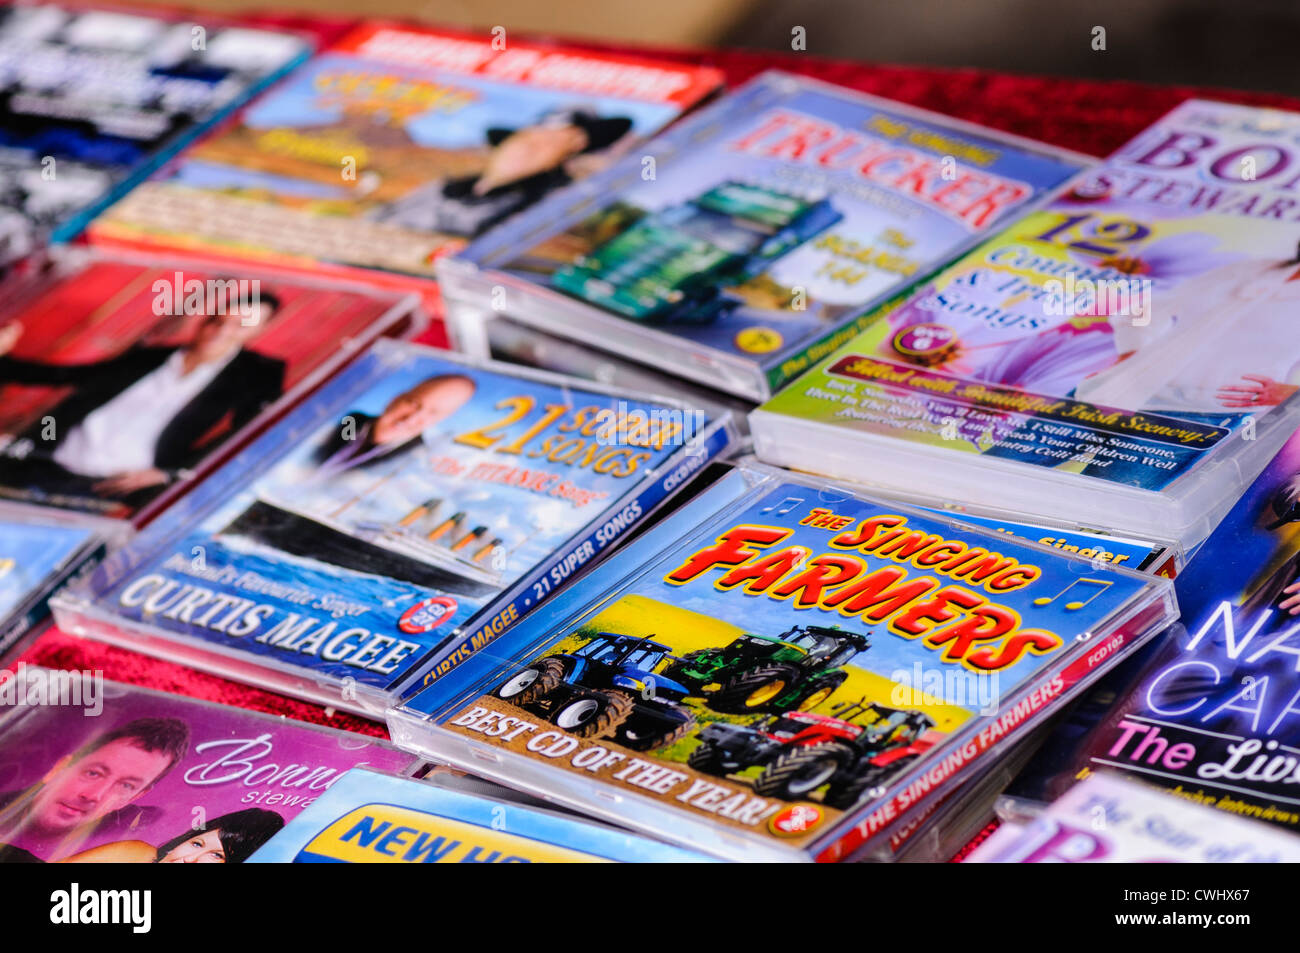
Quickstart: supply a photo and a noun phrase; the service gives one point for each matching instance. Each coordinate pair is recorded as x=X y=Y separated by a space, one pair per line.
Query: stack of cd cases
x=1149 y=554
x=783 y=669
x=748 y=241
x=412 y=509
x=1125 y=358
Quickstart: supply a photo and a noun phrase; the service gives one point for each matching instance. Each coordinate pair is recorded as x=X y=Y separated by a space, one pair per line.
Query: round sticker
x=926 y=343
x=427 y=615
x=795 y=820
x=759 y=340
x=1089 y=190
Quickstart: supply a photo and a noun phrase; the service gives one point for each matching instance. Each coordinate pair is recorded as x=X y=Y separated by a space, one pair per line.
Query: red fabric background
x=1091 y=117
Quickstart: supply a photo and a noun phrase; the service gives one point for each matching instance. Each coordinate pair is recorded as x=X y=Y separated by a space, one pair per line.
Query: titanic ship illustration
x=432 y=545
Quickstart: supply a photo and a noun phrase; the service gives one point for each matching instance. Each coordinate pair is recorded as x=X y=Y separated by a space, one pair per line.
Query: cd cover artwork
x=1120 y=340
x=92 y=771
x=1213 y=715
x=399 y=143
x=407 y=513
x=764 y=227
x=94 y=98
x=40 y=549
x=120 y=378
x=793 y=670
x=1110 y=820
x=369 y=818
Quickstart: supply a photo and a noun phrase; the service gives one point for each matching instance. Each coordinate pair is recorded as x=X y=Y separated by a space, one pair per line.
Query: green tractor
x=797 y=670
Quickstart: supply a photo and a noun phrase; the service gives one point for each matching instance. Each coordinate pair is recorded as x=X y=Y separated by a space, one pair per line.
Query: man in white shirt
x=135 y=422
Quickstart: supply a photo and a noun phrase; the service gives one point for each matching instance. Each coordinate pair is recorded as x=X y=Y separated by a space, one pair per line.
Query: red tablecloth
x=1088 y=116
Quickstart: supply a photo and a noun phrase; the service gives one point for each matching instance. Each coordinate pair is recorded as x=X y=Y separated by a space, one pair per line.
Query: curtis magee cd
x=399 y=143
x=399 y=519
x=96 y=97
x=369 y=818
x=123 y=379
x=747 y=241
x=93 y=771
x=781 y=669
x=1125 y=356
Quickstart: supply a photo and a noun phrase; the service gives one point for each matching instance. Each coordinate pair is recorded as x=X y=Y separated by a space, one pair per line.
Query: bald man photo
x=363 y=439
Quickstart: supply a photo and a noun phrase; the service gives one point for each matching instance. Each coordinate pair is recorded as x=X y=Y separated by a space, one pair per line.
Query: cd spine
x=1209 y=491
x=467 y=289
x=1039 y=493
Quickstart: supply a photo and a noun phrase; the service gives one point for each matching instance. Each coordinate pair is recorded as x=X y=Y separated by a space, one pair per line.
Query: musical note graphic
x=785 y=506
x=1101 y=584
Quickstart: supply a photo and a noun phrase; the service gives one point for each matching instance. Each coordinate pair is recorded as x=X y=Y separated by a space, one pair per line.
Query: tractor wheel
x=594 y=714
x=819 y=690
x=707 y=760
x=846 y=794
x=673 y=725
x=534 y=683
x=755 y=690
x=796 y=773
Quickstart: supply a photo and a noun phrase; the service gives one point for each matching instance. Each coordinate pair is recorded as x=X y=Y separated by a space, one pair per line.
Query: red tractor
x=856 y=748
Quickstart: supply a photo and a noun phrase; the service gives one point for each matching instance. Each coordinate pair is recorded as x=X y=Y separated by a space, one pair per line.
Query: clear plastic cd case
x=751 y=239
x=783 y=669
x=1124 y=355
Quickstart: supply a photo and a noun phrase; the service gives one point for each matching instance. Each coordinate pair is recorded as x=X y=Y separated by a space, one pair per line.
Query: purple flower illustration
x=1171 y=259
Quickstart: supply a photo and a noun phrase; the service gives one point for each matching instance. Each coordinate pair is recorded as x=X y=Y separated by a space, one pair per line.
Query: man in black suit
x=136 y=422
x=362 y=439
x=524 y=166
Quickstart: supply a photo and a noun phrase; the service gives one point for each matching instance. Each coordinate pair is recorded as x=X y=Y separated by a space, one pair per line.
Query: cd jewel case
x=782 y=668
x=1125 y=356
x=748 y=240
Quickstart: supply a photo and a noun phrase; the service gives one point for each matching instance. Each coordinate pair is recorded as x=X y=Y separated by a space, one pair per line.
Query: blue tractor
x=608 y=688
